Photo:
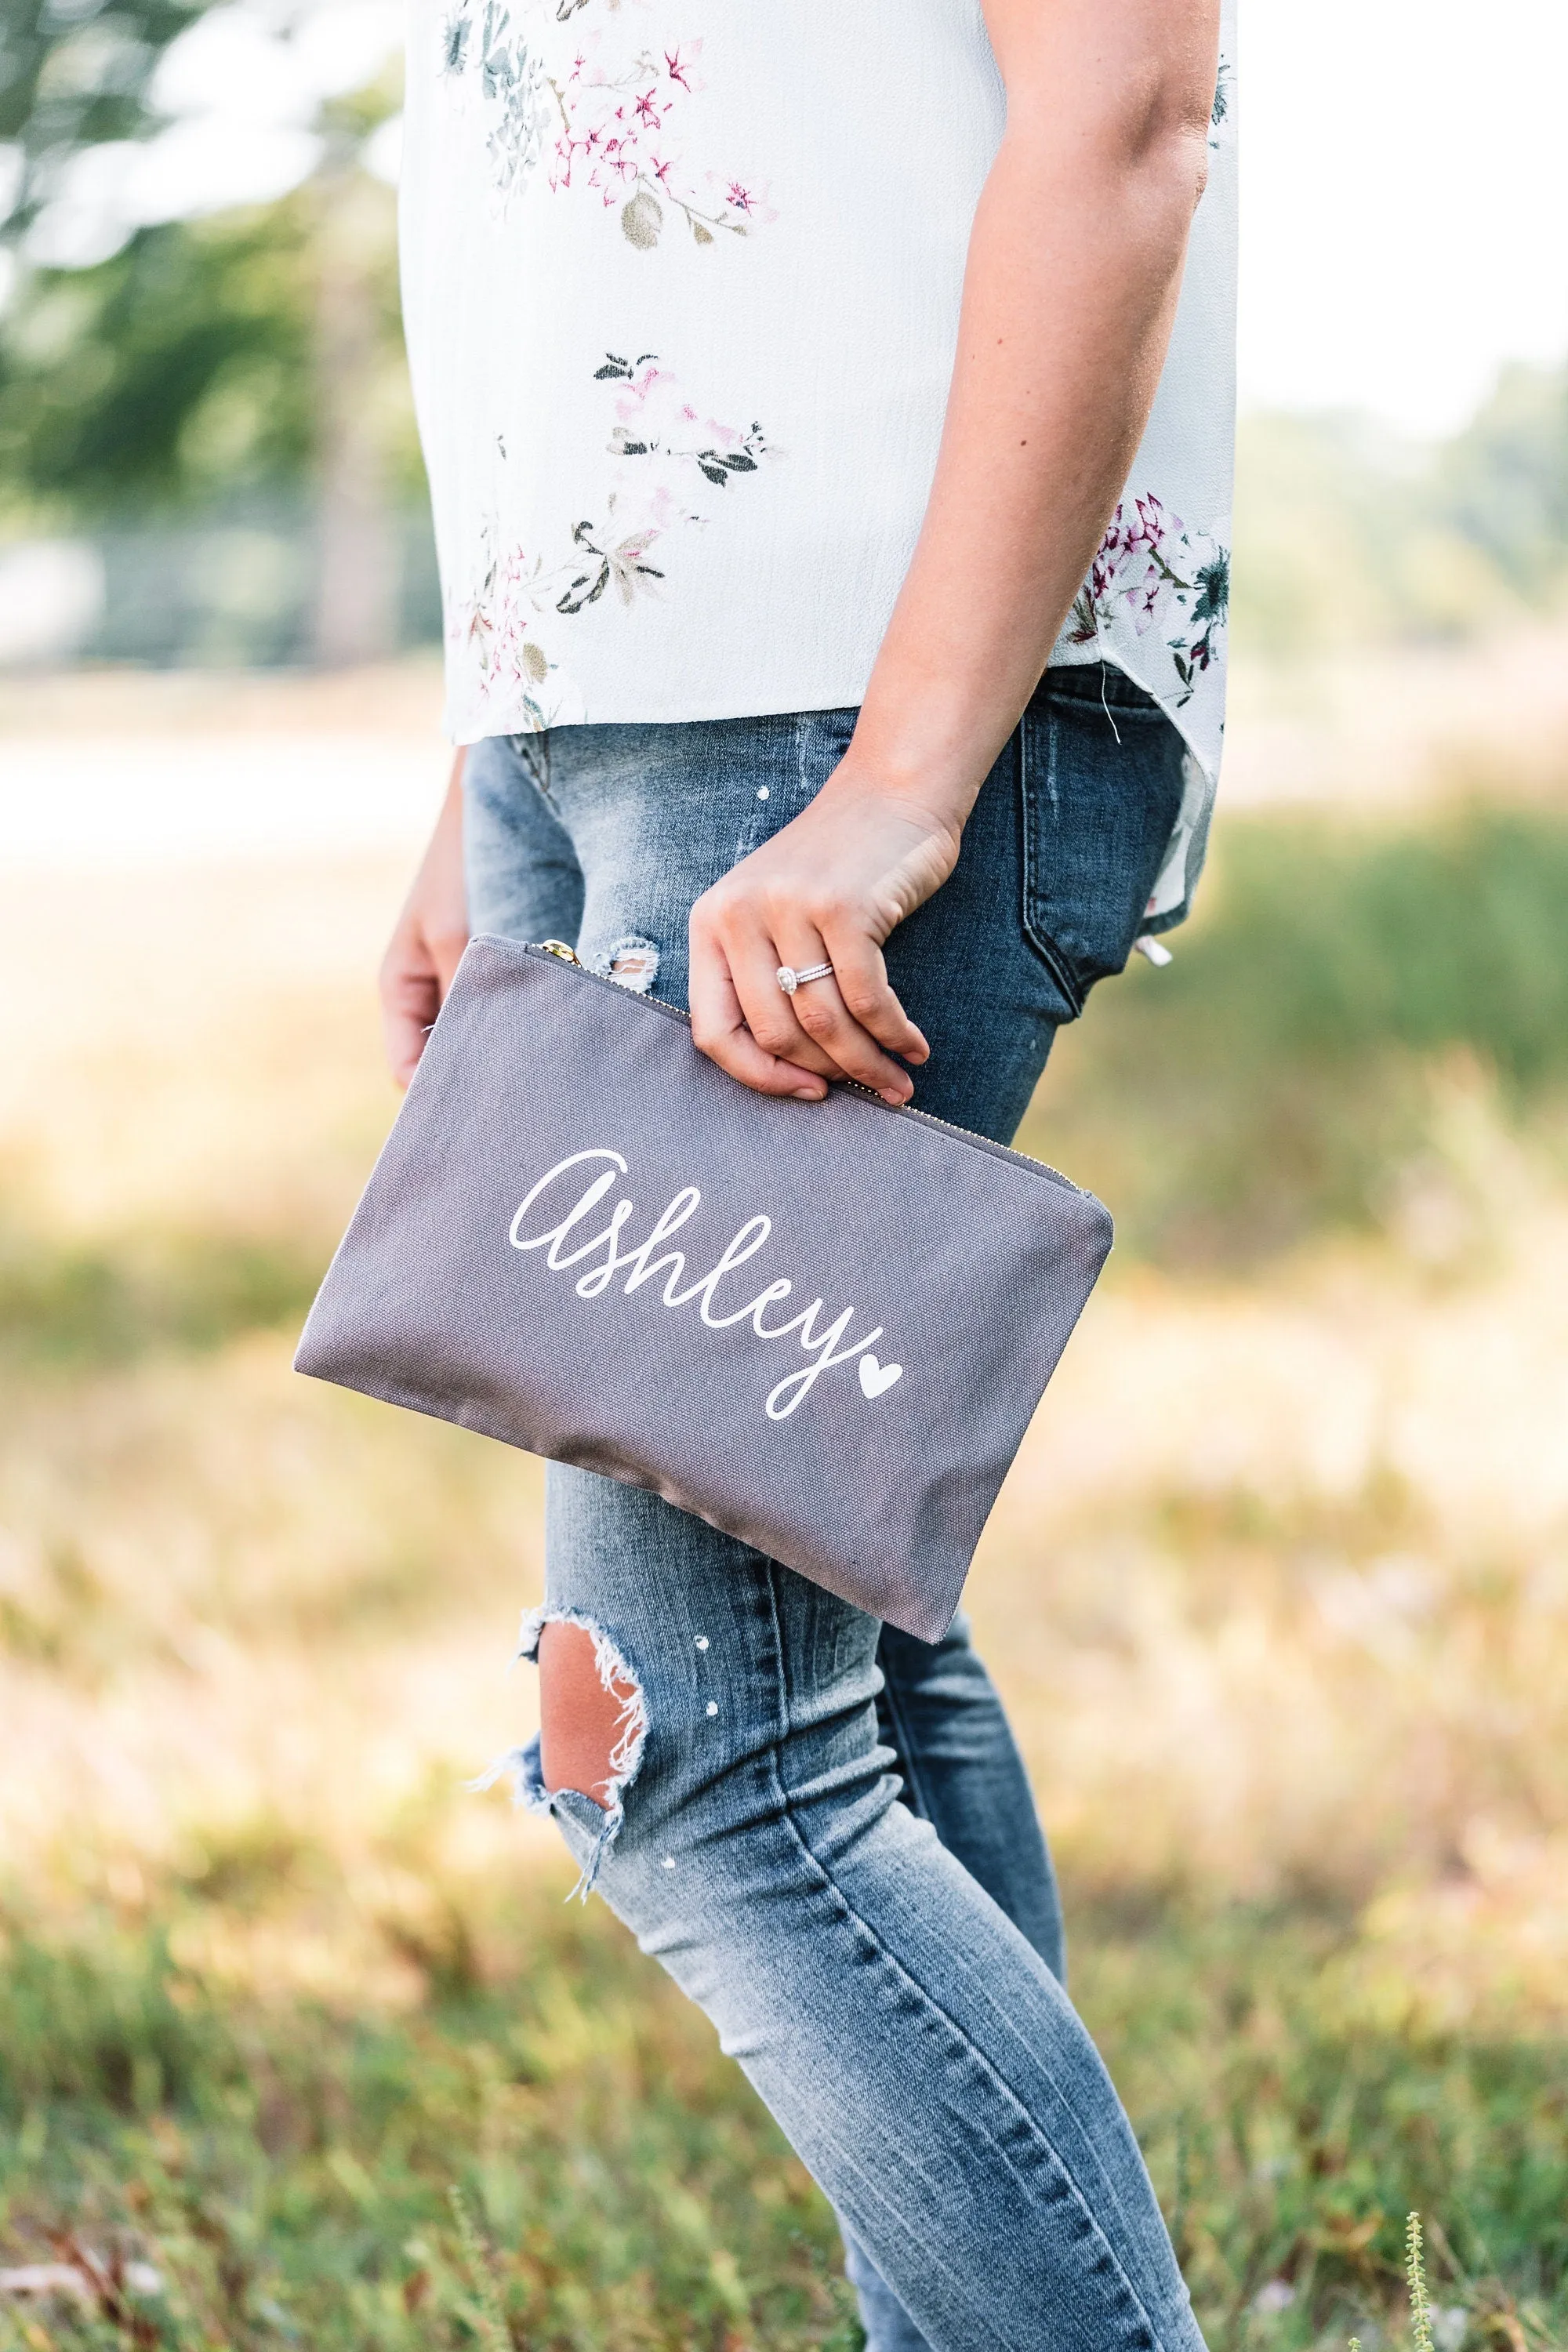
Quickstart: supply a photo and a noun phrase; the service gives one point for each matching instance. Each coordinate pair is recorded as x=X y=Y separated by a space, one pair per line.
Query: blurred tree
x=1346 y=536
x=257 y=348
x=177 y=371
x=75 y=74
x=1503 y=481
x=363 y=405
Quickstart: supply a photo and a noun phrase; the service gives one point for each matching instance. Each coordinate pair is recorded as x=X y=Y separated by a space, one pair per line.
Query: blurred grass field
x=1278 y=1594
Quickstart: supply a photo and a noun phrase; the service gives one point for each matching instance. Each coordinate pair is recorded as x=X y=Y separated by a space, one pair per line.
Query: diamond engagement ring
x=790 y=980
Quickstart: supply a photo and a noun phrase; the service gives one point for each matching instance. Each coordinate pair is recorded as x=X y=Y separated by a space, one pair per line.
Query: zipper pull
x=559 y=948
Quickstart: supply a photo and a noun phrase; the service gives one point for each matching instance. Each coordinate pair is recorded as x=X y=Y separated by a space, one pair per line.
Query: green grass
x=1293 y=2116
x=1297 y=1065
x=289 y=2170
x=72 y=1306
x=548 y=2151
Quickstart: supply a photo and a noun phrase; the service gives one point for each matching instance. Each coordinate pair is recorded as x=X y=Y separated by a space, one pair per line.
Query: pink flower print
x=662 y=511
x=634 y=399
x=658 y=468
x=590 y=119
x=1150 y=528
x=1150 y=568
x=1131 y=563
x=748 y=198
x=1144 y=602
x=627 y=565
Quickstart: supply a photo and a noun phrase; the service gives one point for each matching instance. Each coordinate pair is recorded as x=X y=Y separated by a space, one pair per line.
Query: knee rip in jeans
x=633 y=961
x=594 y=1722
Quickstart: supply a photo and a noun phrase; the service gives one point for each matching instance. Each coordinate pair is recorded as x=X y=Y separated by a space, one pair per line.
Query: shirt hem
x=776 y=703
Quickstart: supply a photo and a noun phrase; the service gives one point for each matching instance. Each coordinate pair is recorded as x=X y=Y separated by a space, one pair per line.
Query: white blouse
x=681 y=281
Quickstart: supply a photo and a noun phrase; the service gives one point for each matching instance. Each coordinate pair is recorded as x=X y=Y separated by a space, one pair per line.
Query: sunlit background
x=1278 y=1590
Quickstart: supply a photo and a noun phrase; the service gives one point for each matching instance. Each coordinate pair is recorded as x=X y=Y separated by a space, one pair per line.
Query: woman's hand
x=828 y=889
x=431 y=934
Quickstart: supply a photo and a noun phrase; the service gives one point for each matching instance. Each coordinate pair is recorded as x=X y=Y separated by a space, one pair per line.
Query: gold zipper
x=564 y=954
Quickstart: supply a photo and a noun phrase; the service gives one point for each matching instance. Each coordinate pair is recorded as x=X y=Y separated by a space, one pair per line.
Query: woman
x=828 y=423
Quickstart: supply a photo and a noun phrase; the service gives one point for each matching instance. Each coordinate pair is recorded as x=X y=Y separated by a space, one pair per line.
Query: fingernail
x=809 y=1094
x=892 y=1095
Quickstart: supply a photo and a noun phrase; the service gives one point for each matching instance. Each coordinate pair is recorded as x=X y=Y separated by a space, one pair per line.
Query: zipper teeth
x=573 y=962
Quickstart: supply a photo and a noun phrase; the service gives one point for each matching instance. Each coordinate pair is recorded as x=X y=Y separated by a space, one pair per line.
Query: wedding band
x=789 y=980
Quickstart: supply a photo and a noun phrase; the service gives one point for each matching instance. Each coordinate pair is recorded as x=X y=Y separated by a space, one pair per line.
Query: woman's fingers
x=734 y=975
x=719 y=1027
x=771 y=1016
x=411 y=992
x=427 y=944
x=813 y=1026
x=821 y=1012
x=869 y=997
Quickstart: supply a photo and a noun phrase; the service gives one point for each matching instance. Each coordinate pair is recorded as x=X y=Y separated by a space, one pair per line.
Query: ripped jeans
x=819 y=1826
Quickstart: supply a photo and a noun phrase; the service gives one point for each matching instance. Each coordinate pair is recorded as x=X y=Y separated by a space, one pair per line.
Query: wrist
x=926 y=742
x=916 y=796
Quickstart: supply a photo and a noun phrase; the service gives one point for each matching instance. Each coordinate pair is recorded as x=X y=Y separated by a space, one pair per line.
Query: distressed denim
x=819 y=1826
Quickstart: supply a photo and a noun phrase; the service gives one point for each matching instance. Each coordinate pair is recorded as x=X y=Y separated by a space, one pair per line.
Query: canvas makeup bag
x=821 y=1327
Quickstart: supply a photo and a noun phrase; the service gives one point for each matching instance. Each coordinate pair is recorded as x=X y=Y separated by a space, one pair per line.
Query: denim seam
x=905 y=1747
x=1116 y=689
x=1053 y=957
x=975 y=2055
x=787 y=1814
x=534 y=758
x=1123 y=710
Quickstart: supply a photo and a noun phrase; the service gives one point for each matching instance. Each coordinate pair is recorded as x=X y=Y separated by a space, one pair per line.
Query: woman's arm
x=1074 y=268
x=431 y=934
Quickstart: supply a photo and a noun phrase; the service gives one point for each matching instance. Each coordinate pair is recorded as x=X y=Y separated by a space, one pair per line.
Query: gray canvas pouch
x=821 y=1327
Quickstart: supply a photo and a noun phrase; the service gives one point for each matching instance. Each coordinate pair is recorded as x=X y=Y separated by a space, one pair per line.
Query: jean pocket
x=1102 y=779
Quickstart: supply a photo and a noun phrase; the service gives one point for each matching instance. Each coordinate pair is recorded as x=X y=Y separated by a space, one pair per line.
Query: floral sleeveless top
x=681 y=282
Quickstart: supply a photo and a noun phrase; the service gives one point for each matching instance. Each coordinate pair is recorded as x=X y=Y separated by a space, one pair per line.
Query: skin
x=431 y=933
x=579 y=1718
x=1074 y=268
x=1070 y=293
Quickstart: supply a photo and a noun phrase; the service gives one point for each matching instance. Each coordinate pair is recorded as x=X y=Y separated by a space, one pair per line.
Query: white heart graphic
x=877 y=1379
